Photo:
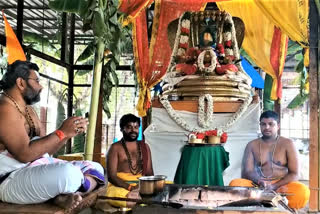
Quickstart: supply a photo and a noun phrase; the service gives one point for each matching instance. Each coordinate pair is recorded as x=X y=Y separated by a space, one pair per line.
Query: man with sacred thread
x=271 y=162
x=127 y=160
x=28 y=174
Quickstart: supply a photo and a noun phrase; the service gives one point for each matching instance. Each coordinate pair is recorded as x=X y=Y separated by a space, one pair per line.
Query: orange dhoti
x=298 y=193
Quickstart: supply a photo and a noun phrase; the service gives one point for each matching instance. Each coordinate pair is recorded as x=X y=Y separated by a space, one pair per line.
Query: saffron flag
x=13 y=47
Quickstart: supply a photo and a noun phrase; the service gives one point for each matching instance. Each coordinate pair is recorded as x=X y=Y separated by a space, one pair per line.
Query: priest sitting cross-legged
x=271 y=162
x=28 y=175
x=127 y=160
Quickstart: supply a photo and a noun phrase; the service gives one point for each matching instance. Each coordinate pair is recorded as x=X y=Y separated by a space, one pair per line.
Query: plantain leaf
x=298 y=101
x=98 y=26
x=61 y=116
x=296 y=80
x=71 y=6
x=79 y=140
x=298 y=57
x=293 y=48
x=299 y=67
x=87 y=52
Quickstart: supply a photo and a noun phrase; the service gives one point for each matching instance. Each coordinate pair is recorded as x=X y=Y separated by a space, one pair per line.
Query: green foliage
x=109 y=74
x=298 y=101
x=61 y=116
x=87 y=53
x=302 y=80
x=79 y=140
x=71 y=6
x=101 y=16
x=293 y=48
x=40 y=43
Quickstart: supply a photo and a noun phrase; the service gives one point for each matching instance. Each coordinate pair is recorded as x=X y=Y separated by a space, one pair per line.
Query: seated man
x=127 y=160
x=28 y=175
x=271 y=162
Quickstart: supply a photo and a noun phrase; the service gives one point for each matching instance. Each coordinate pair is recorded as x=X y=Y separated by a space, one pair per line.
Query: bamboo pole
x=95 y=92
x=314 y=108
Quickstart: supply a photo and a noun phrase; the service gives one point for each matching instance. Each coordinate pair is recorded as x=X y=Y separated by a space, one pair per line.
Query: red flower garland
x=185 y=30
x=223 y=137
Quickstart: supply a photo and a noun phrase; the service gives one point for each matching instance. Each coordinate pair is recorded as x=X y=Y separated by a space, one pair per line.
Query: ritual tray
x=262 y=200
x=205 y=144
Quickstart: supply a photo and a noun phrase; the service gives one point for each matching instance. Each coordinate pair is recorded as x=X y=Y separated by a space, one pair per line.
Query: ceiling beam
x=26 y=7
x=32 y=18
x=27 y=23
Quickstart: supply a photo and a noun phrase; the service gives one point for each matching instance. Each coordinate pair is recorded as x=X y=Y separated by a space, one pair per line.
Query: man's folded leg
x=298 y=194
x=40 y=183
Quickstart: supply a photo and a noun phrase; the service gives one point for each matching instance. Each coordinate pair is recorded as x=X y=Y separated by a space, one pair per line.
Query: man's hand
x=134 y=194
x=267 y=185
x=74 y=126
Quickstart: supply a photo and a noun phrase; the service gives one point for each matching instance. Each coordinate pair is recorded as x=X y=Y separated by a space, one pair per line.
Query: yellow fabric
x=258 y=34
x=290 y=16
x=114 y=191
x=298 y=193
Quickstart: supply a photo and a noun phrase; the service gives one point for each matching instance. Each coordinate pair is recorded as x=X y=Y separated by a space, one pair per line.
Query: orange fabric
x=298 y=193
x=13 y=47
x=240 y=182
x=152 y=65
x=132 y=8
x=278 y=50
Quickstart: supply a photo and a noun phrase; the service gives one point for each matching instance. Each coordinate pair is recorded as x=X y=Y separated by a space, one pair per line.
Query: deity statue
x=206 y=47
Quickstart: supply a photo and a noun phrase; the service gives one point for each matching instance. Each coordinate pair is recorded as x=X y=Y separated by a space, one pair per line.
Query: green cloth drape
x=202 y=165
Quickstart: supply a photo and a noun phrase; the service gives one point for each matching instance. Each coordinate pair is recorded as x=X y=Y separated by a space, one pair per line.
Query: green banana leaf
x=79 y=140
x=61 y=116
x=87 y=52
x=29 y=37
x=298 y=101
x=293 y=48
x=71 y=6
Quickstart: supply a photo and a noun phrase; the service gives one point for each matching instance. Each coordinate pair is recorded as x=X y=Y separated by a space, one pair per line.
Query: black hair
x=128 y=118
x=14 y=71
x=270 y=114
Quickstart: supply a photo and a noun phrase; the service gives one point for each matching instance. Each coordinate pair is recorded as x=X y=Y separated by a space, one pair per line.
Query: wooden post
x=314 y=107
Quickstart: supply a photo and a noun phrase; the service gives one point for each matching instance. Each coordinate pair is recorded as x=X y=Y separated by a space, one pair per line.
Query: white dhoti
x=42 y=181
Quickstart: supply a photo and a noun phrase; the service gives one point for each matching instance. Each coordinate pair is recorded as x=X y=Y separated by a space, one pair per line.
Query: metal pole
x=70 y=75
x=20 y=20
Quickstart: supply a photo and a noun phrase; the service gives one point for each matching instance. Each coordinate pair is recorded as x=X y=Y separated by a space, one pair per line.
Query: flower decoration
x=215 y=132
x=219 y=133
x=205 y=115
x=212 y=66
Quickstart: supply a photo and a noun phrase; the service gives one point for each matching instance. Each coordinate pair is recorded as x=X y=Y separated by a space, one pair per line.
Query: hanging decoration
x=181 y=122
x=13 y=46
x=151 y=66
x=265 y=44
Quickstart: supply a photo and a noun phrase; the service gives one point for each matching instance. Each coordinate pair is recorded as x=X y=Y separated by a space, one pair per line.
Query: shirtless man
x=271 y=162
x=127 y=160
x=28 y=174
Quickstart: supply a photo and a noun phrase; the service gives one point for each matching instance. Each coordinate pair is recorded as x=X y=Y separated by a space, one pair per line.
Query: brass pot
x=151 y=185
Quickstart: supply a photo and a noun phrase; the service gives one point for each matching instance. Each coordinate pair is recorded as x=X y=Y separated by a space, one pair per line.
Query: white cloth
x=9 y=164
x=39 y=183
x=166 y=139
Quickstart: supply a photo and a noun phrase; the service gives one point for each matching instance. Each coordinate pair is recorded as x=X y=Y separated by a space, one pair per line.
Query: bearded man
x=127 y=160
x=271 y=162
x=28 y=175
